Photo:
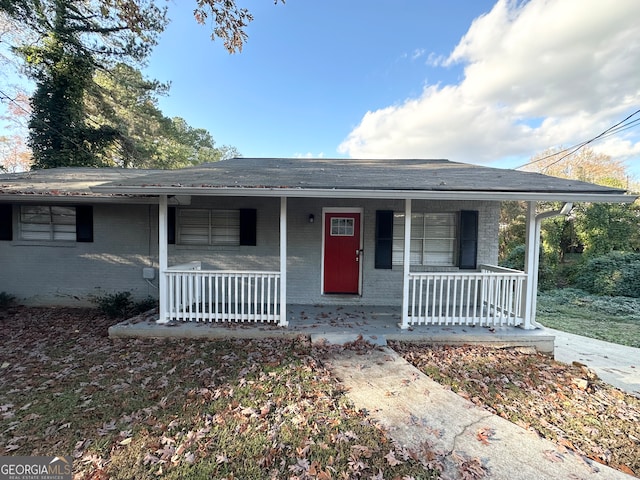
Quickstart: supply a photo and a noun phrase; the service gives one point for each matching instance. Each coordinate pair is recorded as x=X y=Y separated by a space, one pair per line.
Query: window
x=43 y=222
x=342 y=227
x=208 y=226
x=433 y=239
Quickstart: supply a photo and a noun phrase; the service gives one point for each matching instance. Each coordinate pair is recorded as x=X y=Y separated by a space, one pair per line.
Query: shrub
x=6 y=300
x=121 y=305
x=546 y=271
x=614 y=274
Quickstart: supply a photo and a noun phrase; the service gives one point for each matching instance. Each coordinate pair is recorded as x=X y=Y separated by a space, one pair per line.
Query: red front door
x=341 y=252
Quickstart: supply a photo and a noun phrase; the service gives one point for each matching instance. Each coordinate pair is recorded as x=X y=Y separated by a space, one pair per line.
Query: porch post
x=532 y=251
x=283 y=262
x=162 y=258
x=406 y=264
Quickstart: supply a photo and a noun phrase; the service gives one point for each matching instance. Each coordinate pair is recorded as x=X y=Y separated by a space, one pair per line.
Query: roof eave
x=377 y=194
x=51 y=198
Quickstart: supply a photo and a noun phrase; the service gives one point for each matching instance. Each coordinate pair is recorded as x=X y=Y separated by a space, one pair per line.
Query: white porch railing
x=493 y=297
x=198 y=295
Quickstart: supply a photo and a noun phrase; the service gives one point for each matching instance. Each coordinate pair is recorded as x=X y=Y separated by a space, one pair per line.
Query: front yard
x=149 y=409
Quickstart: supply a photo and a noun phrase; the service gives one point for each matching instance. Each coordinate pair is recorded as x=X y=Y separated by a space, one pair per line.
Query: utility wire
x=617 y=128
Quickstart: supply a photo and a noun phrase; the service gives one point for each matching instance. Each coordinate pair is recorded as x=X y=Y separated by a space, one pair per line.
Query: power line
x=614 y=129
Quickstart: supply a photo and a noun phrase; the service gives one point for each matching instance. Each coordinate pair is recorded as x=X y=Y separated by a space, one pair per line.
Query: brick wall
x=125 y=241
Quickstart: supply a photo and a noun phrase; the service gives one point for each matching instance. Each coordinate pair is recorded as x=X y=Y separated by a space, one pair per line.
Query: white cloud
x=537 y=74
x=417 y=53
x=308 y=155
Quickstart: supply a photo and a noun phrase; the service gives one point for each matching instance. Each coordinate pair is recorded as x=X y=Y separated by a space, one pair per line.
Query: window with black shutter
x=6 y=221
x=468 y=239
x=384 y=239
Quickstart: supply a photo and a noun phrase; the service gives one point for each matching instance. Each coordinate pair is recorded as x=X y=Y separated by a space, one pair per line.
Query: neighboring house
x=239 y=239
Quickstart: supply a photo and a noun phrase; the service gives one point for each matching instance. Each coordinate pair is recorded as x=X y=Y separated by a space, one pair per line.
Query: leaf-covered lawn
x=564 y=403
x=150 y=409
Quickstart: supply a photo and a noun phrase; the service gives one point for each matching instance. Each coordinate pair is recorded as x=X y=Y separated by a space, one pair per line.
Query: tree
x=77 y=37
x=229 y=20
x=122 y=99
x=15 y=156
x=604 y=227
x=593 y=228
x=585 y=165
x=14 y=152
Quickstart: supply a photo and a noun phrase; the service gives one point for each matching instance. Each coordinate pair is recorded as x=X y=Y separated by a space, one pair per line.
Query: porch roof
x=361 y=178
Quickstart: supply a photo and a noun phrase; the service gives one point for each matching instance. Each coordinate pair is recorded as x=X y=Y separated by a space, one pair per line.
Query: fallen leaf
x=553 y=456
x=484 y=435
x=391 y=459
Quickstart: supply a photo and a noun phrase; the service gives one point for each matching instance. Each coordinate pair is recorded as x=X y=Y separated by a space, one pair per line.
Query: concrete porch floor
x=340 y=324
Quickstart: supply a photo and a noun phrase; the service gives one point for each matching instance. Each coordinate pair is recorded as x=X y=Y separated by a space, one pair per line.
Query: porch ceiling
x=353 y=178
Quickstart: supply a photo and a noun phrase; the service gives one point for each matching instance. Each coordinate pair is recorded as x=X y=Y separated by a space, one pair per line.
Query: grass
x=613 y=319
x=181 y=409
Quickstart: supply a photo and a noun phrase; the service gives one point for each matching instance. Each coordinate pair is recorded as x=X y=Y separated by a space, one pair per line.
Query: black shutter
x=6 y=221
x=248 y=228
x=171 y=225
x=84 y=223
x=384 y=239
x=468 y=239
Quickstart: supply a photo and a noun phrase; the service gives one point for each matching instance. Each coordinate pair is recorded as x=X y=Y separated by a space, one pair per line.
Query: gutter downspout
x=565 y=210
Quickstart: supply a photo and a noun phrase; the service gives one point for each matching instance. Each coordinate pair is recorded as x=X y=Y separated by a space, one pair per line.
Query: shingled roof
x=67 y=184
x=401 y=178
x=347 y=178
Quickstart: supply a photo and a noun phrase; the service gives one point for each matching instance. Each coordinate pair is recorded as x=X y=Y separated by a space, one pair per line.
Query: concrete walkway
x=617 y=365
x=422 y=416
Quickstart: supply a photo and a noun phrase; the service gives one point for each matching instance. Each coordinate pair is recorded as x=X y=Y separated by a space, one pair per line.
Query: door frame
x=347 y=210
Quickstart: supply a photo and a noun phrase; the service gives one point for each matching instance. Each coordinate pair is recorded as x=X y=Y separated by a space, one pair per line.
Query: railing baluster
x=454 y=316
x=492 y=296
x=277 y=310
x=269 y=298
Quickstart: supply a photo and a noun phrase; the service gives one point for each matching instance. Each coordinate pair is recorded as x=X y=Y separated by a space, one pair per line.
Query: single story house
x=239 y=240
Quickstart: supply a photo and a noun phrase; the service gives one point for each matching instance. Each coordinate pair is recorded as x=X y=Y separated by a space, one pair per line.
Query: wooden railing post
x=406 y=264
x=163 y=294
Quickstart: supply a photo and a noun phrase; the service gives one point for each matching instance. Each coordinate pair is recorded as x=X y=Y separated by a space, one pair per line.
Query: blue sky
x=477 y=81
x=309 y=71
x=469 y=80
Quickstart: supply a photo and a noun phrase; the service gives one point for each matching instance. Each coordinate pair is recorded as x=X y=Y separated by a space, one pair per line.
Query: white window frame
x=207 y=227
x=51 y=223
x=434 y=239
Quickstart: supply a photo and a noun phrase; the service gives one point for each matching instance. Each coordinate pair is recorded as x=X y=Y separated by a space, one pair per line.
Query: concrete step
x=344 y=338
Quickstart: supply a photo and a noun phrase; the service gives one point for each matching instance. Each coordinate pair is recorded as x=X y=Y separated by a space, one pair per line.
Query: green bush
x=121 y=305
x=614 y=274
x=6 y=300
x=546 y=271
